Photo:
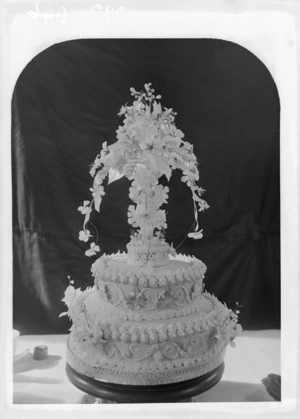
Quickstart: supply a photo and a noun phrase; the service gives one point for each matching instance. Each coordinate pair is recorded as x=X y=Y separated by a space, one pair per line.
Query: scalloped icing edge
x=176 y=370
x=150 y=333
x=127 y=314
x=197 y=271
x=159 y=313
x=140 y=366
x=115 y=356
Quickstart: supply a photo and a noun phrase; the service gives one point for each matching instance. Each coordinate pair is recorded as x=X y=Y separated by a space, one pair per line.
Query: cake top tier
x=148 y=147
x=153 y=252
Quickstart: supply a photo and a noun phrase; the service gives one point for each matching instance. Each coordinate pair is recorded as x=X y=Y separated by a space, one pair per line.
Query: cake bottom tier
x=83 y=360
x=95 y=349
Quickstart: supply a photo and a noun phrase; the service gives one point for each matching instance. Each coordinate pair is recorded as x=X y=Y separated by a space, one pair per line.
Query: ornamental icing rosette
x=148 y=147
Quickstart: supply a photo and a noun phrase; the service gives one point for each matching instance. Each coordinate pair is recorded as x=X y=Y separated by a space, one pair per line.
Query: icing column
x=148 y=197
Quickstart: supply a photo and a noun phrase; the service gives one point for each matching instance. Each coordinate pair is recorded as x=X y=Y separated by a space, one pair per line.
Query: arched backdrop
x=65 y=105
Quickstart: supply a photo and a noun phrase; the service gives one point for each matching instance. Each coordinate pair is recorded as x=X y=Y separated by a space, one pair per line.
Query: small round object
x=40 y=352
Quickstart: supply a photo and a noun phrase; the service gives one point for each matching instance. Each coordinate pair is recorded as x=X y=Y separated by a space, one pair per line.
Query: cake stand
x=104 y=392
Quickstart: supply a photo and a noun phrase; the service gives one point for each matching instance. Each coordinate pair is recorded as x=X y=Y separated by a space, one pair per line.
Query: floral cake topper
x=149 y=146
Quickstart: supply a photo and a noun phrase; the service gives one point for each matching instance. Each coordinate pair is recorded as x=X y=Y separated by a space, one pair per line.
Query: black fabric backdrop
x=65 y=105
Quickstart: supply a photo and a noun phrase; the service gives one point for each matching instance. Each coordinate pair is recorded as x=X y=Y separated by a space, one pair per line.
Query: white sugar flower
x=84 y=208
x=70 y=294
x=97 y=192
x=84 y=235
x=122 y=111
x=159 y=220
x=196 y=235
x=148 y=146
x=132 y=216
x=92 y=250
x=203 y=205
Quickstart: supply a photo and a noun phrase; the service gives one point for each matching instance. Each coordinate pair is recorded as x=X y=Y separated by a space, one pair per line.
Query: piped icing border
x=161 y=373
x=144 y=332
x=156 y=333
x=143 y=315
x=137 y=298
x=195 y=271
x=110 y=353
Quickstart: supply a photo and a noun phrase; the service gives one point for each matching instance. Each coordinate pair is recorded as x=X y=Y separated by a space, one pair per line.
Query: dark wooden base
x=164 y=393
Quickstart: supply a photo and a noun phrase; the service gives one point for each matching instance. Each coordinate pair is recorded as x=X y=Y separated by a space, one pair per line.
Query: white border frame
x=271 y=36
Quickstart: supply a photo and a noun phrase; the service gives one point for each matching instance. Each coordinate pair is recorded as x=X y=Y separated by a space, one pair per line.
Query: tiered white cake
x=147 y=319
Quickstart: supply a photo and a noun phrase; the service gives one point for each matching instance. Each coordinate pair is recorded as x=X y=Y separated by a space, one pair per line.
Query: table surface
x=257 y=354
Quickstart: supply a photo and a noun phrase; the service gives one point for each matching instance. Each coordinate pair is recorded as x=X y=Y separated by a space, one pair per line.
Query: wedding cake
x=147 y=320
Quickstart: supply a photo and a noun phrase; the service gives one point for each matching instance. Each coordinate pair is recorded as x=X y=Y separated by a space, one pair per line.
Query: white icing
x=114 y=268
x=121 y=341
x=146 y=321
x=104 y=321
x=143 y=372
x=151 y=252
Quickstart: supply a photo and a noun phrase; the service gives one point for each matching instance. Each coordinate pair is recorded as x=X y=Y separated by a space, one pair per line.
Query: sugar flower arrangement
x=149 y=146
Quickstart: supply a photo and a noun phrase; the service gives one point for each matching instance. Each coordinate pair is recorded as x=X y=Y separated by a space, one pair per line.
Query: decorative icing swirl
x=129 y=371
x=148 y=298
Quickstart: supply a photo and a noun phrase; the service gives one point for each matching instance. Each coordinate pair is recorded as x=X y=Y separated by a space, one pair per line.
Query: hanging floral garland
x=149 y=146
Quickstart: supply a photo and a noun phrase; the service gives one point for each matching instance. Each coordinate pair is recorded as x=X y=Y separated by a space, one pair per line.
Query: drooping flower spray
x=148 y=147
